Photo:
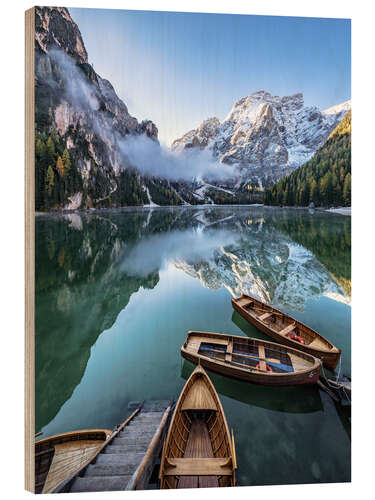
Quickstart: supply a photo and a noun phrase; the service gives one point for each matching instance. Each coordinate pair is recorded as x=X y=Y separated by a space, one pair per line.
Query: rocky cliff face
x=84 y=115
x=200 y=137
x=54 y=28
x=265 y=136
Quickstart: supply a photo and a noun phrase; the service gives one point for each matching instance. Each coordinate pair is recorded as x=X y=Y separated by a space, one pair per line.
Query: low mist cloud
x=146 y=155
x=150 y=158
x=78 y=90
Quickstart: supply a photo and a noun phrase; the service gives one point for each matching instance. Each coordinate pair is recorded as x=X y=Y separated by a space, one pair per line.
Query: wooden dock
x=127 y=459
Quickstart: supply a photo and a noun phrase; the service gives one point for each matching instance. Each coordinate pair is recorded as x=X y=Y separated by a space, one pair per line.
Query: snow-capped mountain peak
x=265 y=136
x=339 y=108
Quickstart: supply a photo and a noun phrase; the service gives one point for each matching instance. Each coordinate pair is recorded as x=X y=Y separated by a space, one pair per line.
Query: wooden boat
x=287 y=330
x=249 y=359
x=59 y=456
x=198 y=451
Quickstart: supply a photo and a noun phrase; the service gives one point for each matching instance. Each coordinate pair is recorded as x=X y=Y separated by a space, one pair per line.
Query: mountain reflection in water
x=121 y=288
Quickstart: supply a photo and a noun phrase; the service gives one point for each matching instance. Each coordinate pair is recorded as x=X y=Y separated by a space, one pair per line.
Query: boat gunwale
x=301 y=354
x=63 y=435
x=333 y=350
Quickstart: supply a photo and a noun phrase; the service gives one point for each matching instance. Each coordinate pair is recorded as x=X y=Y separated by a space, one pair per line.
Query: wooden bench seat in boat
x=262 y=358
x=249 y=304
x=245 y=302
x=228 y=355
x=265 y=316
x=319 y=344
x=287 y=329
x=198 y=466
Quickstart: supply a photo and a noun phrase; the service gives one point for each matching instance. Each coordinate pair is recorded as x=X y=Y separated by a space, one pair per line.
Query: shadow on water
x=291 y=399
x=247 y=328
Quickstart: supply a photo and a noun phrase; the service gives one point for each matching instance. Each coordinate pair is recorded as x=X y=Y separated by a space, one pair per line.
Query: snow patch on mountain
x=150 y=202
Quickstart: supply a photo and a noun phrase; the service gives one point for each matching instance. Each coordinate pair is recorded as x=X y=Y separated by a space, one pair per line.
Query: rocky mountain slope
x=81 y=126
x=264 y=136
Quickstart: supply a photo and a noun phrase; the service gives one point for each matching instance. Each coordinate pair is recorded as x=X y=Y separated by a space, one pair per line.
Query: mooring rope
x=338 y=373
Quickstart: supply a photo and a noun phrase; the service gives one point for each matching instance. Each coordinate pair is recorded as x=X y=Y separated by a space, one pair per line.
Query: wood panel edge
x=29 y=249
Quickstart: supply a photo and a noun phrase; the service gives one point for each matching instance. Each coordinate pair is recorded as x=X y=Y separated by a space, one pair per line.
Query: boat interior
x=62 y=455
x=249 y=354
x=283 y=324
x=198 y=452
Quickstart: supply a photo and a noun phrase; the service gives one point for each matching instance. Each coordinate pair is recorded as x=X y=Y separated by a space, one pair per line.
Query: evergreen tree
x=50 y=150
x=50 y=180
x=314 y=191
x=66 y=161
x=322 y=178
x=347 y=192
x=39 y=148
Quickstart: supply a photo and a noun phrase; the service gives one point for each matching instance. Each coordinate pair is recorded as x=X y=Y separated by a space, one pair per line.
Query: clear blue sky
x=178 y=69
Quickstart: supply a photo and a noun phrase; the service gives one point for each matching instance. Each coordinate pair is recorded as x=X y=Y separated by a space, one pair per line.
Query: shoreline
x=340 y=210
x=140 y=207
x=346 y=211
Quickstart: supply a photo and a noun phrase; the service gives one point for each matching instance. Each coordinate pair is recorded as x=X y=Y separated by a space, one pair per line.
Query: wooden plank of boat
x=198 y=451
x=286 y=330
x=57 y=457
x=262 y=358
x=252 y=360
x=229 y=352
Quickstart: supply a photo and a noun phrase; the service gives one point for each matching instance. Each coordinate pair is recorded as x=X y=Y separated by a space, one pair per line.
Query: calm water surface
x=117 y=291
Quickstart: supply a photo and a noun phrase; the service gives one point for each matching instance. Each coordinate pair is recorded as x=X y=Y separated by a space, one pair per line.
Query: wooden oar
x=234 y=452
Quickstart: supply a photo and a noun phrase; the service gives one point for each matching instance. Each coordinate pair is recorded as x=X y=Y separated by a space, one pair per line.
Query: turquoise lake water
x=117 y=291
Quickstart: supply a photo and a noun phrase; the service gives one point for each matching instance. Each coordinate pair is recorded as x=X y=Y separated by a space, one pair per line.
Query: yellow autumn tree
x=60 y=167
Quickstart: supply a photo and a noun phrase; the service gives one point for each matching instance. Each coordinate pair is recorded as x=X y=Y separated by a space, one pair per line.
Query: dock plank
x=117 y=463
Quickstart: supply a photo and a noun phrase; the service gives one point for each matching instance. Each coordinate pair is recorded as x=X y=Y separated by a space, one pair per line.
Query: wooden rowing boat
x=287 y=330
x=249 y=359
x=59 y=456
x=198 y=451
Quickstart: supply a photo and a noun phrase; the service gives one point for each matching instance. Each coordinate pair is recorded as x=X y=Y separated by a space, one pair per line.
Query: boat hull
x=309 y=376
x=329 y=359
